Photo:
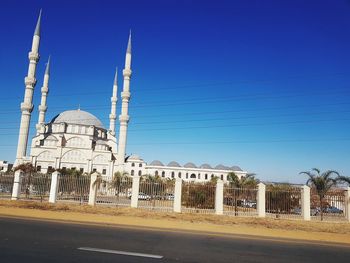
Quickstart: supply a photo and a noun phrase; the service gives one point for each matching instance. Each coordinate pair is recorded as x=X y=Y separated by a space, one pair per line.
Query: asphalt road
x=29 y=241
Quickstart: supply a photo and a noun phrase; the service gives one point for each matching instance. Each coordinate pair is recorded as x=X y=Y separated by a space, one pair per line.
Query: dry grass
x=267 y=223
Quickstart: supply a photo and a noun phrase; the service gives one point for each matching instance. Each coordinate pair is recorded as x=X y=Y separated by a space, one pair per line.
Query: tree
x=26 y=168
x=322 y=183
x=120 y=182
x=248 y=181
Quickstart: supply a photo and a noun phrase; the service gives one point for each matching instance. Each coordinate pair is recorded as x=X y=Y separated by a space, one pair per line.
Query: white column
x=113 y=116
x=347 y=204
x=219 y=198
x=177 y=195
x=54 y=187
x=305 y=203
x=93 y=189
x=16 y=190
x=135 y=190
x=44 y=93
x=261 y=200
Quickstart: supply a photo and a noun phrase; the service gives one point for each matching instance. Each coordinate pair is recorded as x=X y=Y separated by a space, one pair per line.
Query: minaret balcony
x=125 y=95
x=34 y=56
x=124 y=118
x=127 y=72
x=29 y=81
x=42 y=108
x=26 y=107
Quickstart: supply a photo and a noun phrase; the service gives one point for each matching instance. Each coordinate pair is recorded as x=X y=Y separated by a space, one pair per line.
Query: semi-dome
x=205 y=166
x=236 y=168
x=174 y=164
x=134 y=157
x=78 y=117
x=190 y=165
x=222 y=167
x=156 y=163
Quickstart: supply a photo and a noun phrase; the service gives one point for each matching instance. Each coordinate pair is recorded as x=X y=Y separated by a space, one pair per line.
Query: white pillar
x=305 y=203
x=177 y=195
x=93 y=189
x=16 y=190
x=219 y=198
x=135 y=190
x=261 y=200
x=54 y=187
x=113 y=116
x=347 y=204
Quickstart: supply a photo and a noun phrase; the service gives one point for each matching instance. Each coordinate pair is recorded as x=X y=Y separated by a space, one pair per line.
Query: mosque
x=76 y=139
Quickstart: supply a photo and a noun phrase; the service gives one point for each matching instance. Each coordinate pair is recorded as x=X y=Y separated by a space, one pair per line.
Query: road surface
x=29 y=241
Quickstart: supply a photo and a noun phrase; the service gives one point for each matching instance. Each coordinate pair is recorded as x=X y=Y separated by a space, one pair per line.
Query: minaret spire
x=26 y=105
x=44 y=93
x=124 y=117
x=113 y=116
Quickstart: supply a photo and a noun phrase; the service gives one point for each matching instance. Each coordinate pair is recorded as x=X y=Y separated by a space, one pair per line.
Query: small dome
x=78 y=117
x=236 y=168
x=157 y=163
x=222 y=167
x=134 y=157
x=174 y=164
x=205 y=166
x=190 y=165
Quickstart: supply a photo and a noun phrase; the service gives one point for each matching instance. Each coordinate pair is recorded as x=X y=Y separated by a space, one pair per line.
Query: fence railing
x=240 y=201
x=156 y=195
x=6 y=185
x=198 y=197
x=283 y=201
x=116 y=192
x=276 y=201
x=333 y=205
x=73 y=188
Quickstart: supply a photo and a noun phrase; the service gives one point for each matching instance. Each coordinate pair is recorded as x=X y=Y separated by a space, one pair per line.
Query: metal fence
x=6 y=185
x=283 y=201
x=198 y=197
x=115 y=192
x=156 y=195
x=35 y=187
x=333 y=205
x=73 y=188
x=240 y=201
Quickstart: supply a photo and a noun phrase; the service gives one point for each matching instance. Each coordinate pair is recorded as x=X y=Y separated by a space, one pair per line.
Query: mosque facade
x=76 y=139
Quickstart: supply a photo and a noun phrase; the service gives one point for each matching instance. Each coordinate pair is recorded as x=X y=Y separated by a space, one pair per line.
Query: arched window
x=132 y=172
x=206 y=176
x=199 y=176
x=140 y=173
x=172 y=174
x=140 y=165
x=132 y=164
x=156 y=173
x=179 y=174
x=212 y=176
x=186 y=175
x=163 y=174
x=222 y=177
x=193 y=176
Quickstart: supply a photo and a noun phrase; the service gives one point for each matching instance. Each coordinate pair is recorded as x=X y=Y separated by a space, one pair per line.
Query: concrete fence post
x=16 y=190
x=135 y=190
x=305 y=203
x=54 y=187
x=261 y=200
x=219 y=197
x=177 y=195
x=347 y=204
x=93 y=189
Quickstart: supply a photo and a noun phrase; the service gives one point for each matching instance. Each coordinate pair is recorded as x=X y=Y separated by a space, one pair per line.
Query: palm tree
x=118 y=182
x=247 y=181
x=322 y=182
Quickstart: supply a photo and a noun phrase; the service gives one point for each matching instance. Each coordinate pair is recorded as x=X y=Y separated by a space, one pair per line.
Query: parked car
x=333 y=210
x=143 y=196
x=169 y=197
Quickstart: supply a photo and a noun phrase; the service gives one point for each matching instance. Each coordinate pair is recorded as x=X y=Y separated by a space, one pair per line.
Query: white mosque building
x=76 y=139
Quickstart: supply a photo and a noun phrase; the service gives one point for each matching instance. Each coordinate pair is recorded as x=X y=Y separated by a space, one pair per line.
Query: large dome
x=78 y=117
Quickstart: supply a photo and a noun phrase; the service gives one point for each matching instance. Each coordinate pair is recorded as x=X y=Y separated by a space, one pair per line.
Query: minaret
x=124 y=117
x=26 y=105
x=44 y=92
x=113 y=116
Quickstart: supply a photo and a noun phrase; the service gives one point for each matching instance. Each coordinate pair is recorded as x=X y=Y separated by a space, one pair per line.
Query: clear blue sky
x=259 y=84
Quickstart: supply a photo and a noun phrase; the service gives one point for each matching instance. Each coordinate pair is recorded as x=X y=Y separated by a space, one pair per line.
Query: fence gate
x=240 y=201
x=6 y=185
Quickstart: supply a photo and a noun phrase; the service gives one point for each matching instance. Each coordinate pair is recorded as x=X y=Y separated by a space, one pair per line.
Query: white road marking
x=126 y=253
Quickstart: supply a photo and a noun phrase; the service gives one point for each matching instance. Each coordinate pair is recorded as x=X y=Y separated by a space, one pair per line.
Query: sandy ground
x=208 y=224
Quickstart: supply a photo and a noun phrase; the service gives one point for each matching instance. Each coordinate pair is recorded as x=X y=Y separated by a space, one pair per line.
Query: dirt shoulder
x=210 y=224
